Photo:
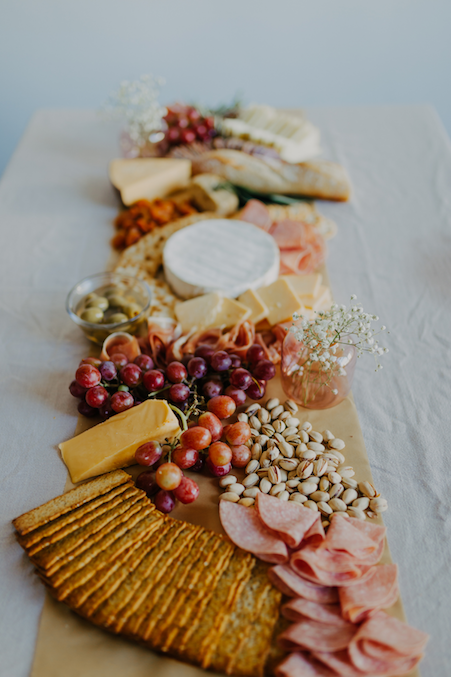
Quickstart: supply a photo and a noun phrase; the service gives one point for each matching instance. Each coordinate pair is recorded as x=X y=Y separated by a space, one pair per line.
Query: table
x=393 y=250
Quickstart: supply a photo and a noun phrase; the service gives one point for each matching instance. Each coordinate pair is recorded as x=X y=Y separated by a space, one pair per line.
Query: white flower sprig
x=137 y=103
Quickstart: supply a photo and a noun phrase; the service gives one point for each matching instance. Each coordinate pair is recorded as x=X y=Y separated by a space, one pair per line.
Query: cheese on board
x=232 y=312
x=305 y=285
x=281 y=301
x=321 y=301
x=148 y=178
x=200 y=313
x=112 y=444
x=259 y=310
x=220 y=255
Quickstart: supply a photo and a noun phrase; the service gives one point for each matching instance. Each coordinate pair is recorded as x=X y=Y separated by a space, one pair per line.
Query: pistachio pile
x=293 y=462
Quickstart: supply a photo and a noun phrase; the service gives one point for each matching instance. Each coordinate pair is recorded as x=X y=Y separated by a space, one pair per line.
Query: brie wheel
x=220 y=255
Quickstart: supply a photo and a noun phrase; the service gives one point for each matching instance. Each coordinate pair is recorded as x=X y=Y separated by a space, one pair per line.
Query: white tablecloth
x=393 y=250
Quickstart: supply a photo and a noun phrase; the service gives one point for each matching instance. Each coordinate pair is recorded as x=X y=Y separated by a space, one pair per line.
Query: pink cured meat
x=340 y=663
x=293 y=585
x=316 y=534
x=301 y=665
x=385 y=646
x=346 y=534
x=244 y=528
x=289 y=234
x=288 y=519
x=299 y=609
x=308 y=634
x=378 y=591
x=328 y=568
x=255 y=212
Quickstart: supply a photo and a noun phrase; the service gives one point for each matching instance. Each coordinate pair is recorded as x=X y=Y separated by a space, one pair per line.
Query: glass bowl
x=130 y=287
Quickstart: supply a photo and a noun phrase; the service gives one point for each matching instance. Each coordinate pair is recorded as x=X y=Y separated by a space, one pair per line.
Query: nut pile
x=293 y=462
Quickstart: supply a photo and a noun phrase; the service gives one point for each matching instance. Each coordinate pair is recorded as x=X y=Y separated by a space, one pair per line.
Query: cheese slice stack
x=112 y=444
x=148 y=178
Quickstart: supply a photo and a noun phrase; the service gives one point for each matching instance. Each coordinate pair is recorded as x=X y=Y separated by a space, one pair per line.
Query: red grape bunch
x=186 y=125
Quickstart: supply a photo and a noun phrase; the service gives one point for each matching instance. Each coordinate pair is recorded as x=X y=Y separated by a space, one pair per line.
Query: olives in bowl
x=108 y=302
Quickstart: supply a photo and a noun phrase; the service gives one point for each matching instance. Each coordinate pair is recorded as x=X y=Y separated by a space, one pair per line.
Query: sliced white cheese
x=232 y=312
x=259 y=310
x=199 y=313
x=281 y=301
x=148 y=178
x=227 y=256
x=321 y=301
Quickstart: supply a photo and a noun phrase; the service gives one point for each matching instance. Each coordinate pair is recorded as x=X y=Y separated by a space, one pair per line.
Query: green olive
x=93 y=315
x=133 y=310
x=90 y=297
x=116 y=301
x=99 y=302
x=117 y=317
x=112 y=291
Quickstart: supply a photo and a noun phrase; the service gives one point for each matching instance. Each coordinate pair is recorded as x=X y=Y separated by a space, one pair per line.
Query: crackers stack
x=104 y=550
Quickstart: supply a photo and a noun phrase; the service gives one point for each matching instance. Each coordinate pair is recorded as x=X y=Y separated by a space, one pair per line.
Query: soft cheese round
x=220 y=255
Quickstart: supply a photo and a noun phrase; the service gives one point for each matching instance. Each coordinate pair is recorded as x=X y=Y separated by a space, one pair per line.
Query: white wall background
x=62 y=53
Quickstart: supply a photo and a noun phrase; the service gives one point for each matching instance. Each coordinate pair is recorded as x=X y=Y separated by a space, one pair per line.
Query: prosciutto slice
x=293 y=585
x=162 y=331
x=289 y=234
x=385 y=646
x=245 y=529
x=120 y=342
x=256 y=212
x=378 y=591
x=238 y=340
x=308 y=634
x=301 y=665
x=288 y=519
x=299 y=609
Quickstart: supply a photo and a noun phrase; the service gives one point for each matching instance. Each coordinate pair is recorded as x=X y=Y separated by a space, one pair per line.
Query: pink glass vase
x=312 y=386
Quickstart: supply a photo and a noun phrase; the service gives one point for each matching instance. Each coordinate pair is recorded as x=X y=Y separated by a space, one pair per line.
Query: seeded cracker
x=54 y=555
x=64 y=531
x=147 y=524
x=99 y=505
x=135 y=515
x=69 y=501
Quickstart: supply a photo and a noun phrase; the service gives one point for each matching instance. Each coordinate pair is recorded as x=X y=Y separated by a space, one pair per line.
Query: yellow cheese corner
x=112 y=444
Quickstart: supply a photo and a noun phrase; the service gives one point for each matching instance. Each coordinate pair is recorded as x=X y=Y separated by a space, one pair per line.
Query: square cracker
x=69 y=501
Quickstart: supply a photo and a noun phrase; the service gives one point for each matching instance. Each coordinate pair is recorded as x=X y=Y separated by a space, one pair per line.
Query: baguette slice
x=316 y=179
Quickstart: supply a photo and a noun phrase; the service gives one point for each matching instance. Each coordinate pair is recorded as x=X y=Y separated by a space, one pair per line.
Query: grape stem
x=181 y=415
x=156 y=392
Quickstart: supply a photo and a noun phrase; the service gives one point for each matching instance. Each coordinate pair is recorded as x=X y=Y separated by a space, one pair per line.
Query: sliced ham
x=120 y=342
x=308 y=634
x=256 y=212
x=348 y=535
x=245 y=529
x=378 y=591
x=340 y=663
x=301 y=665
x=316 y=534
x=289 y=520
x=326 y=567
x=299 y=609
x=293 y=585
x=385 y=646
x=289 y=234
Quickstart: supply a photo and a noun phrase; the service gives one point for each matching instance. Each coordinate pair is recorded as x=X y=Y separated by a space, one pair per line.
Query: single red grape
x=121 y=401
x=76 y=390
x=212 y=388
x=212 y=423
x=146 y=482
x=168 y=476
x=119 y=360
x=186 y=358
x=218 y=470
x=176 y=372
x=108 y=370
x=238 y=433
x=198 y=466
x=164 y=501
x=153 y=380
x=148 y=453
x=264 y=370
x=187 y=491
x=173 y=135
x=194 y=115
x=144 y=362
x=87 y=376
x=200 y=131
x=185 y=458
x=131 y=375
x=196 y=438
x=236 y=361
x=183 y=122
x=197 y=367
x=209 y=122
x=256 y=390
x=96 y=396
x=187 y=136
x=204 y=351
x=241 y=455
x=106 y=411
x=255 y=353
x=85 y=410
x=241 y=378
x=220 y=360
x=178 y=393
x=220 y=453
x=222 y=406
x=237 y=395
x=93 y=361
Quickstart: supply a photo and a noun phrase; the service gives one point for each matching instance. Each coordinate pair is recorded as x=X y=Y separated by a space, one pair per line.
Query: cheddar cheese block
x=112 y=444
x=252 y=300
x=148 y=178
x=305 y=285
x=281 y=301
